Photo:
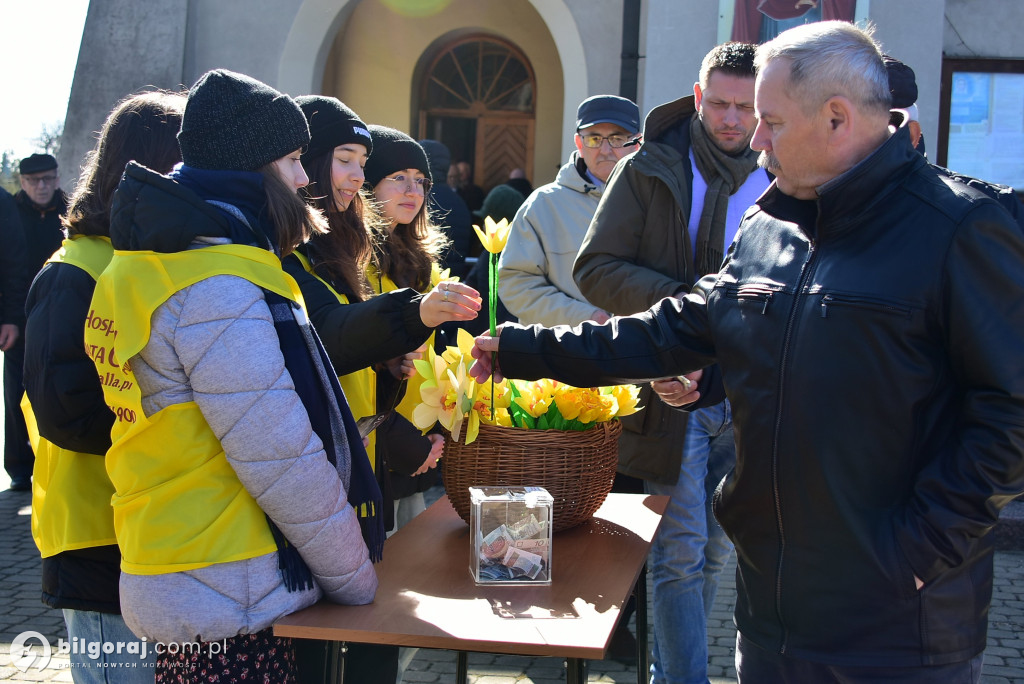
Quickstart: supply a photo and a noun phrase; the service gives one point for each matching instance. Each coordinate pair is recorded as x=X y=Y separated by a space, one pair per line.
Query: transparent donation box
x=510 y=535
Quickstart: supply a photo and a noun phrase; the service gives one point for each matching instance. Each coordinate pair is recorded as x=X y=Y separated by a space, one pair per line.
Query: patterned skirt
x=259 y=657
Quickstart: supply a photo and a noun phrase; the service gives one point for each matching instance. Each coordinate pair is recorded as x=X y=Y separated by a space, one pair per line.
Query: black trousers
x=755 y=665
x=18 y=456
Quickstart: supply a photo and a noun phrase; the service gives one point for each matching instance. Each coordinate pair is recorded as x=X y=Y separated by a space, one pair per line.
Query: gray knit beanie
x=393 y=151
x=331 y=123
x=235 y=123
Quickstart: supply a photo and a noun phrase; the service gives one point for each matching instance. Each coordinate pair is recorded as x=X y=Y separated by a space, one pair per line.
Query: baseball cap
x=608 y=109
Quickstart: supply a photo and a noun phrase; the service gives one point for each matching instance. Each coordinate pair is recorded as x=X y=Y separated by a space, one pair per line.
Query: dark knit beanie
x=502 y=202
x=902 y=82
x=235 y=123
x=393 y=151
x=438 y=156
x=331 y=123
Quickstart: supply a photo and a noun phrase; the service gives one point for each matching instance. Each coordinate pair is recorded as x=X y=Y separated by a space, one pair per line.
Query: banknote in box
x=510 y=535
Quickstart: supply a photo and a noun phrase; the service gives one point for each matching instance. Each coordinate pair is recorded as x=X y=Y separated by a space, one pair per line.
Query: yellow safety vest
x=178 y=504
x=70 y=490
x=360 y=386
x=382 y=283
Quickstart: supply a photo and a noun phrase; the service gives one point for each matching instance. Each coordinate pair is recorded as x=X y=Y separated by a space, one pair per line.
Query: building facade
x=498 y=81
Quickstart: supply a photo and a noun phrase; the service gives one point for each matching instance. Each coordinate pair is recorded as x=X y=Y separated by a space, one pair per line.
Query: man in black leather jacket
x=868 y=330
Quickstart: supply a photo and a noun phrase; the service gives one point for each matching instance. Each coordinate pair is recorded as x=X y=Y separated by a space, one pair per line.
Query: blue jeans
x=89 y=629
x=690 y=550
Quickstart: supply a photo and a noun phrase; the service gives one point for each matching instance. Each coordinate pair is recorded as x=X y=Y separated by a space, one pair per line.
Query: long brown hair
x=407 y=253
x=141 y=128
x=294 y=220
x=344 y=250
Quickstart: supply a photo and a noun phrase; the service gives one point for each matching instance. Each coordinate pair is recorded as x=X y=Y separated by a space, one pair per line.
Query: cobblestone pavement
x=21 y=610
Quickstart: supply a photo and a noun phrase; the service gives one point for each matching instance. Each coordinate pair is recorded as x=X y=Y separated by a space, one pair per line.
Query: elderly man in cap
x=41 y=204
x=536 y=267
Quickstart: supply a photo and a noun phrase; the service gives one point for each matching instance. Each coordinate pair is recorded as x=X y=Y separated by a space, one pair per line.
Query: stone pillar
x=126 y=46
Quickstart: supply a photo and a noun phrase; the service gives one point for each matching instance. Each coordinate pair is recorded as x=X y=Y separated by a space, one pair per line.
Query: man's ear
x=838 y=112
x=697 y=95
x=579 y=142
x=915 y=132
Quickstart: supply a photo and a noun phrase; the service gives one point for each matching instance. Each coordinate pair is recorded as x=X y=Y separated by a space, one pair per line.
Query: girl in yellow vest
x=236 y=464
x=406 y=254
x=72 y=520
x=357 y=329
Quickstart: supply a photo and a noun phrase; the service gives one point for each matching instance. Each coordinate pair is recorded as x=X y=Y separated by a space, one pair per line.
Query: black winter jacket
x=42 y=229
x=67 y=400
x=13 y=280
x=870 y=342
x=361 y=334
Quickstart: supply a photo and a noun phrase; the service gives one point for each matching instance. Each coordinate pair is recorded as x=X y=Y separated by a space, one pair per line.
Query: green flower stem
x=492 y=300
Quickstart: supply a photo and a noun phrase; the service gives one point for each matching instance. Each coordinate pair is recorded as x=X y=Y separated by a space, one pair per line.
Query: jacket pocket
x=897 y=569
x=757 y=296
x=838 y=301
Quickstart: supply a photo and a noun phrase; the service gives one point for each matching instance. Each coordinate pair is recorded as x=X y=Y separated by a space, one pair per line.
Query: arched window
x=477 y=97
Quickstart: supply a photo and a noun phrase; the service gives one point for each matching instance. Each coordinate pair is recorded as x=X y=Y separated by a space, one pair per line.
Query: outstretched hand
x=485 y=348
x=675 y=392
x=449 y=301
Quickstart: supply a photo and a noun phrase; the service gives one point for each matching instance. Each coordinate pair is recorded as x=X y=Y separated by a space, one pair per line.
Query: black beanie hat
x=235 y=123
x=331 y=123
x=902 y=83
x=438 y=156
x=393 y=151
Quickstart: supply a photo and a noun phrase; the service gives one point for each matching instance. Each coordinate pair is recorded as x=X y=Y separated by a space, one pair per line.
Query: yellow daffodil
x=462 y=385
x=569 y=402
x=462 y=353
x=626 y=398
x=438 y=400
x=446 y=275
x=596 y=407
x=534 y=397
x=494 y=235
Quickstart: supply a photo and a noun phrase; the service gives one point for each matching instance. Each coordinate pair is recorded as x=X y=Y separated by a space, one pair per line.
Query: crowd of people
x=821 y=319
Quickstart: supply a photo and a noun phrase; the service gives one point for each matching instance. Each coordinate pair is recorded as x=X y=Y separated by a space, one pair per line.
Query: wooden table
x=427 y=597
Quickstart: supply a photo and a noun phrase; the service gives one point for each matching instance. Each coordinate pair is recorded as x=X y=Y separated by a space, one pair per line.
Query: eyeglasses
x=408 y=184
x=616 y=140
x=39 y=180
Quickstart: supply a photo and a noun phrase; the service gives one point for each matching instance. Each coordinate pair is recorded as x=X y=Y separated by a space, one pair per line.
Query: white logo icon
x=24 y=657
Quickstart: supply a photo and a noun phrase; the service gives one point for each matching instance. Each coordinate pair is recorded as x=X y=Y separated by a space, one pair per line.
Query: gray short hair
x=829 y=58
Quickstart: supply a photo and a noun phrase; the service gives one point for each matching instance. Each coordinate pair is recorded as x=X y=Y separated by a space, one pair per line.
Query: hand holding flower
x=485 y=349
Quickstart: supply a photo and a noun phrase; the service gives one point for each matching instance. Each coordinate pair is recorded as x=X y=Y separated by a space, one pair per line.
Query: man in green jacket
x=667 y=217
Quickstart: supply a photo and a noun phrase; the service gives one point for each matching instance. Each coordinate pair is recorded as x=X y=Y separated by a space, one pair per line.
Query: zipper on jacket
x=790 y=325
x=757 y=293
x=862 y=303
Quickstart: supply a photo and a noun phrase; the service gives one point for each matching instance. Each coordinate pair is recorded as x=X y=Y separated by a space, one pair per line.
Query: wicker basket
x=577 y=468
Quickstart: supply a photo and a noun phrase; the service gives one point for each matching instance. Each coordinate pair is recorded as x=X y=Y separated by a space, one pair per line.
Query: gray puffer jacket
x=214 y=343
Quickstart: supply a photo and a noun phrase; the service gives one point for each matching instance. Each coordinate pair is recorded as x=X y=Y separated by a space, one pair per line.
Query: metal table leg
x=642 y=664
x=576 y=671
x=461 y=667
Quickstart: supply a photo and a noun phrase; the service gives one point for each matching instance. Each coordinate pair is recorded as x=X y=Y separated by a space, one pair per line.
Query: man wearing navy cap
x=536 y=267
x=667 y=217
x=41 y=203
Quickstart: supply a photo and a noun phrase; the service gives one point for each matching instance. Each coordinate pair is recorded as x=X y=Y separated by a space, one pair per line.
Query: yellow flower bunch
x=451 y=397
